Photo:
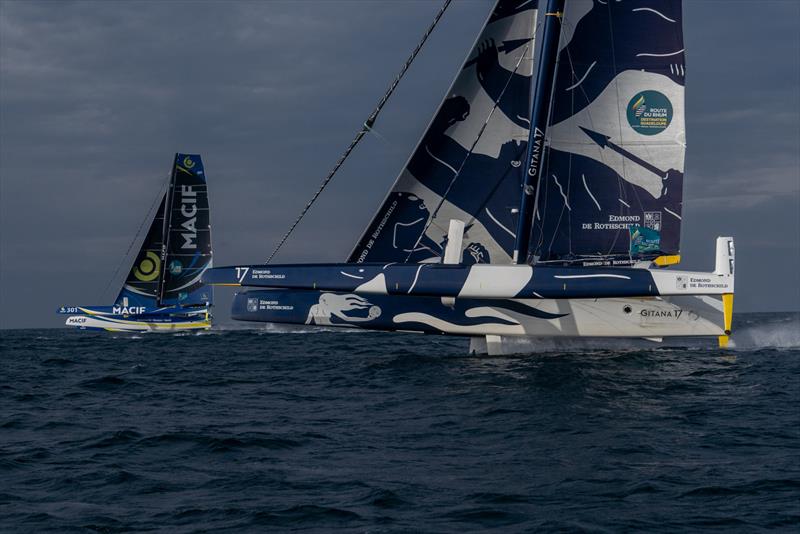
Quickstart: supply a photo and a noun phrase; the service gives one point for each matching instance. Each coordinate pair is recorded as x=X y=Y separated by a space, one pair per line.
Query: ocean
x=266 y=430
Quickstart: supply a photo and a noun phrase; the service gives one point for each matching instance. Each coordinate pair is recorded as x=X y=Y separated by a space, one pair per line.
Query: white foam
x=784 y=334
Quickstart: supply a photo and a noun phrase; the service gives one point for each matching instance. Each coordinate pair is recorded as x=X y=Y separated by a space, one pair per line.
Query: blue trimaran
x=163 y=290
x=544 y=199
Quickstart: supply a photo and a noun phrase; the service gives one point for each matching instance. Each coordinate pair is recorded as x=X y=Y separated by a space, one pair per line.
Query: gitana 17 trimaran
x=164 y=290
x=544 y=198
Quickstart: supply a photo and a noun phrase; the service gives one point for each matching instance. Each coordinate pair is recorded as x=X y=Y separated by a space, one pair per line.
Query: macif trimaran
x=164 y=290
x=544 y=199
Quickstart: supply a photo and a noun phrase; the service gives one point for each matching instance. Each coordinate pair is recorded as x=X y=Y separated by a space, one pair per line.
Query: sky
x=96 y=97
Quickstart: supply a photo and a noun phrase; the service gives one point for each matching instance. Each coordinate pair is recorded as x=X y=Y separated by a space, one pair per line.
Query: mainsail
x=177 y=248
x=449 y=178
x=187 y=252
x=613 y=183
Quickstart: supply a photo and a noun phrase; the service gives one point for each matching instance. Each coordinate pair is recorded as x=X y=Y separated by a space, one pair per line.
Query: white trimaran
x=544 y=199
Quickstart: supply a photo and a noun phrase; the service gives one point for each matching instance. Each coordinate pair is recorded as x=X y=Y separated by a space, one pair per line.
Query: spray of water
x=782 y=332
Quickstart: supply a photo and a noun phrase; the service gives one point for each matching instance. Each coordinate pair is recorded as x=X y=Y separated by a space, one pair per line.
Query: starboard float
x=164 y=290
x=544 y=198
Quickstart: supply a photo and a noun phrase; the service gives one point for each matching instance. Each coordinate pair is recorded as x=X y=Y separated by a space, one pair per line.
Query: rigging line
x=469 y=153
x=159 y=195
x=366 y=127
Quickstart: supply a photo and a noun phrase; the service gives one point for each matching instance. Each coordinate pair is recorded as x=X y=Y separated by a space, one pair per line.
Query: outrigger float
x=544 y=199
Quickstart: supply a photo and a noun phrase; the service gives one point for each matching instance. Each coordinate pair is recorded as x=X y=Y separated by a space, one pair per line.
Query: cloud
x=95 y=97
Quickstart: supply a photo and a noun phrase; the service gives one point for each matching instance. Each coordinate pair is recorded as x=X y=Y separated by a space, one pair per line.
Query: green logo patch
x=649 y=112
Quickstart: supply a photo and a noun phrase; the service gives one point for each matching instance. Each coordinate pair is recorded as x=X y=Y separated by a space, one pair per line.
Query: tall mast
x=535 y=159
x=165 y=233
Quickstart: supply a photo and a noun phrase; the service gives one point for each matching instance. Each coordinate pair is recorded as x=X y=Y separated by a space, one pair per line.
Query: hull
x=119 y=324
x=489 y=301
x=646 y=317
x=108 y=318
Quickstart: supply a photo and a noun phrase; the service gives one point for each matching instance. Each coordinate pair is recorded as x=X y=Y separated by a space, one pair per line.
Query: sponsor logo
x=649 y=112
x=674 y=314
x=266 y=274
x=76 y=320
x=189 y=212
x=187 y=162
x=615 y=222
x=274 y=305
x=706 y=283
x=252 y=305
x=652 y=220
x=128 y=310
x=536 y=153
x=644 y=240
x=605 y=263
x=148 y=269
x=680 y=282
x=175 y=267
x=379 y=229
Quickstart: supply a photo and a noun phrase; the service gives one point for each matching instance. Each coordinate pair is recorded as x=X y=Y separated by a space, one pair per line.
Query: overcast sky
x=96 y=97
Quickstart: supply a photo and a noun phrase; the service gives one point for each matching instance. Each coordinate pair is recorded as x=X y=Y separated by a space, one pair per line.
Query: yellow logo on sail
x=149 y=268
x=638 y=103
x=187 y=162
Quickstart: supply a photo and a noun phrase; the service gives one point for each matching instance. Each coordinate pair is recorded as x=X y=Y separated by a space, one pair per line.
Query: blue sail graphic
x=616 y=135
x=481 y=187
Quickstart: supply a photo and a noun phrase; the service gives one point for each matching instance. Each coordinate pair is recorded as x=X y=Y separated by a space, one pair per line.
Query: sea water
x=267 y=430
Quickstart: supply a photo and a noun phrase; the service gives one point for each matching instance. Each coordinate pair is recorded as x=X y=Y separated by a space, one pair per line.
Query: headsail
x=187 y=252
x=141 y=284
x=493 y=83
x=614 y=181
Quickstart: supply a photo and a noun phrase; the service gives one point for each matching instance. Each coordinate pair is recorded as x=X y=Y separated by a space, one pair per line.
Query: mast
x=535 y=158
x=166 y=231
